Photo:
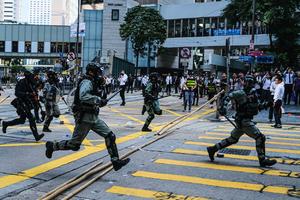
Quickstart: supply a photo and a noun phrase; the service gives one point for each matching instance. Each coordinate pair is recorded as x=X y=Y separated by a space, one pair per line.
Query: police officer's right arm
x=85 y=93
x=148 y=92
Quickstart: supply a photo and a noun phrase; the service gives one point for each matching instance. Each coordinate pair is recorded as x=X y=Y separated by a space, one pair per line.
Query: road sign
x=185 y=52
x=71 y=56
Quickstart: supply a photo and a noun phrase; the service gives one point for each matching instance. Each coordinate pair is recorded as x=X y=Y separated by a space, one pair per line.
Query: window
x=40 y=47
x=206 y=26
x=27 y=47
x=66 y=48
x=15 y=47
x=214 y=26
x=72 y=47
x=192 y=29
x=115 y=15
x=178 y=28
x=59 y=47
x=171 y=32
x=185 y=28
x=2 y=46
x=200 y=27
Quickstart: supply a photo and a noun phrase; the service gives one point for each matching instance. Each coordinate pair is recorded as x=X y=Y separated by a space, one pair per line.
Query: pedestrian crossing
x=191 y=172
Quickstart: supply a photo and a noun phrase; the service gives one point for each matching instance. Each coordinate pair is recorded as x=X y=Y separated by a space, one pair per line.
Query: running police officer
x=23 y=102
x=51 y=95
x=151 y=103
x=86 y=110
x=247 y=106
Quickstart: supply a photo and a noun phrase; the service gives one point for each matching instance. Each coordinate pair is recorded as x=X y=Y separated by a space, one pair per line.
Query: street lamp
x=77 y=37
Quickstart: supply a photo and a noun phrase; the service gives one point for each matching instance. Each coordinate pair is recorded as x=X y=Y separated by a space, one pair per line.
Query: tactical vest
x=190 y=83
x=81 y=107
x=211 y=88
x=250 y=108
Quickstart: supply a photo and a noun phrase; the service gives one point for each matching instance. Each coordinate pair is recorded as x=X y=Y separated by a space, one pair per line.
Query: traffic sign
x=185 y=52
x=71 y=56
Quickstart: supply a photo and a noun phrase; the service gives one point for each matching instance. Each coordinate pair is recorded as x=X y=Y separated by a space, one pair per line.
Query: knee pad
x=159 y=112
x=232 y=140
x=151 y=116
x=22 y=120
x=111 y=137
x=261 y=138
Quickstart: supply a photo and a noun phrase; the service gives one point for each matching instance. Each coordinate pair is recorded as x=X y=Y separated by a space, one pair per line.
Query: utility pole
x=252 y=46
x=77 y=38
x=227 y=51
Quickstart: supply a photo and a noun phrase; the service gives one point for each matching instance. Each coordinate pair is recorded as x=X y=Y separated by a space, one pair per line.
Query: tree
x=279 y=18
x=144 y=28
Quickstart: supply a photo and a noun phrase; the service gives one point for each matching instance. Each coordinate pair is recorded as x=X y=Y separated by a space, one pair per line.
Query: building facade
x=8 y=10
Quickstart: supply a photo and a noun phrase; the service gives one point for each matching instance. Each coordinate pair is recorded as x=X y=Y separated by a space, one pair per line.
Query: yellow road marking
x=206 y=112
x=263 y=130
x=71 y=128
x=268 y=141
x=250 y=170
x=275 y=138
x=149 y=194
x=22 y=144
x=247 y=147
x=172 y=112
x=259 y=125
x=266 y=133
x=233 y=156
x=6 y=181
x=215 y=182
x=127 y=116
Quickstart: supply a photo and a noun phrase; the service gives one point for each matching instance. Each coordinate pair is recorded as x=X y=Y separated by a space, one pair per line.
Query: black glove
x=103 y=102
x=222 y=111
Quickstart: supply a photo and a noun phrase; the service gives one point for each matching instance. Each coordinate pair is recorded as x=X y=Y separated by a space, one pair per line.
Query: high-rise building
x=72 y=11
x=8 y=10
x=40 y=12
x=59 y=12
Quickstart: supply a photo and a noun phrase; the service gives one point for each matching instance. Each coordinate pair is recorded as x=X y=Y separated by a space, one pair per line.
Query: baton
x=4 y=99
x=115 y=94
x=231 y=122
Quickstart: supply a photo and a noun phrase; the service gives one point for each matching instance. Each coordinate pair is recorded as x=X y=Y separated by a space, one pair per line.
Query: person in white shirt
x=278 y=96
x=123 y=81
x=145 y=80
x=271 y=100
x=169 y=83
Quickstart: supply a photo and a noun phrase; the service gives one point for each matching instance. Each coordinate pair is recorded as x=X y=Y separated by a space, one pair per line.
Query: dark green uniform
x=151 y=103
x=247 y=106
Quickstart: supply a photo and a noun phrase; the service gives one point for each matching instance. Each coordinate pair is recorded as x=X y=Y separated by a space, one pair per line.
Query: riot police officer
x=151 y=103
x=51 y=95
x=247 y=106
x=23 y=102
x=86 y=110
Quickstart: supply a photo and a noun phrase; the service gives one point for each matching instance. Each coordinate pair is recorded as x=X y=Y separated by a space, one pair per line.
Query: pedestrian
x=23 y=102
x=130 y=83
x=123 y=82
x=266 y=85
x=196 y=92
x=151 y=103
x=297 y=89
x=278 y=97
x=211 y=90
x=288 y=85
x=144 y=83
x=51 y=95
x=247 y=107
x=86 y=111
x=189 y=86
x=169 y=82
x=271 y=99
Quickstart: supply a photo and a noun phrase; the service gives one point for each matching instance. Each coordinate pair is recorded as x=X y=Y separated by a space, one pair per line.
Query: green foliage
x=17 y=69
x=280 y=19
x=143 y=27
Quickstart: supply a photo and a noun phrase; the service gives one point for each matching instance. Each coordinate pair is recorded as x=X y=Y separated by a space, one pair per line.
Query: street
x=176 y=167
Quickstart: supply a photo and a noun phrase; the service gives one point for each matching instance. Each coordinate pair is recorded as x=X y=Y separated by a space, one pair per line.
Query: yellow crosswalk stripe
x=268 y=141
x=247 y=147
x=150 y=194
x=22 y=144
x=250 y=170
x=263 y=130
x=217 y=183
x=259 y=125
x=233 y=156
x=275 y=138
x=266 y=133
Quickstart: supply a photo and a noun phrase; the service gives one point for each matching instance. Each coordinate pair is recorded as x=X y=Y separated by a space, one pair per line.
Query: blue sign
x=246 y=59
x=265 y=59
x=222 y=32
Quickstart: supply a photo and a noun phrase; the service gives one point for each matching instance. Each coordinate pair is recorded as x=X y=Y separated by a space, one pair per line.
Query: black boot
x=211 y=152
x=267 y=162
x=46 y=129
x=146 y=129
x=143 y=110
x=38 y=137
x=118 y=164
x=49 y=149
x=4 y=126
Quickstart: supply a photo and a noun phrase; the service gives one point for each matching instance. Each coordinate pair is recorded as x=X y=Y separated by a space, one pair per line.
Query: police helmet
x=94 y=68
x=29 y=76
x=154 y=76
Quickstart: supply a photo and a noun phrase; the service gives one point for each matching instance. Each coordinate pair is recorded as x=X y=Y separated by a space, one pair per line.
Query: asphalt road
x=176 y=167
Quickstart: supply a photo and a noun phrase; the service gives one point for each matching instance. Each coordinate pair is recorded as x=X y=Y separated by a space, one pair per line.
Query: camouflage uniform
x=52 y=96
x=247 y=106
x=151 y=103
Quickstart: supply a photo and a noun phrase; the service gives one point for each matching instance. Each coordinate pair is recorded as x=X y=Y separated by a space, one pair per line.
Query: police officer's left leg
x=103 y=130
x=148 y=121
x=233 y=139
x=32 y=125
x=252 y=131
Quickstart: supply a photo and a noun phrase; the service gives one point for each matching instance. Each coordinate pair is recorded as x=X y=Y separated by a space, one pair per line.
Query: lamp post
x=252 y=47
x=77 y=37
